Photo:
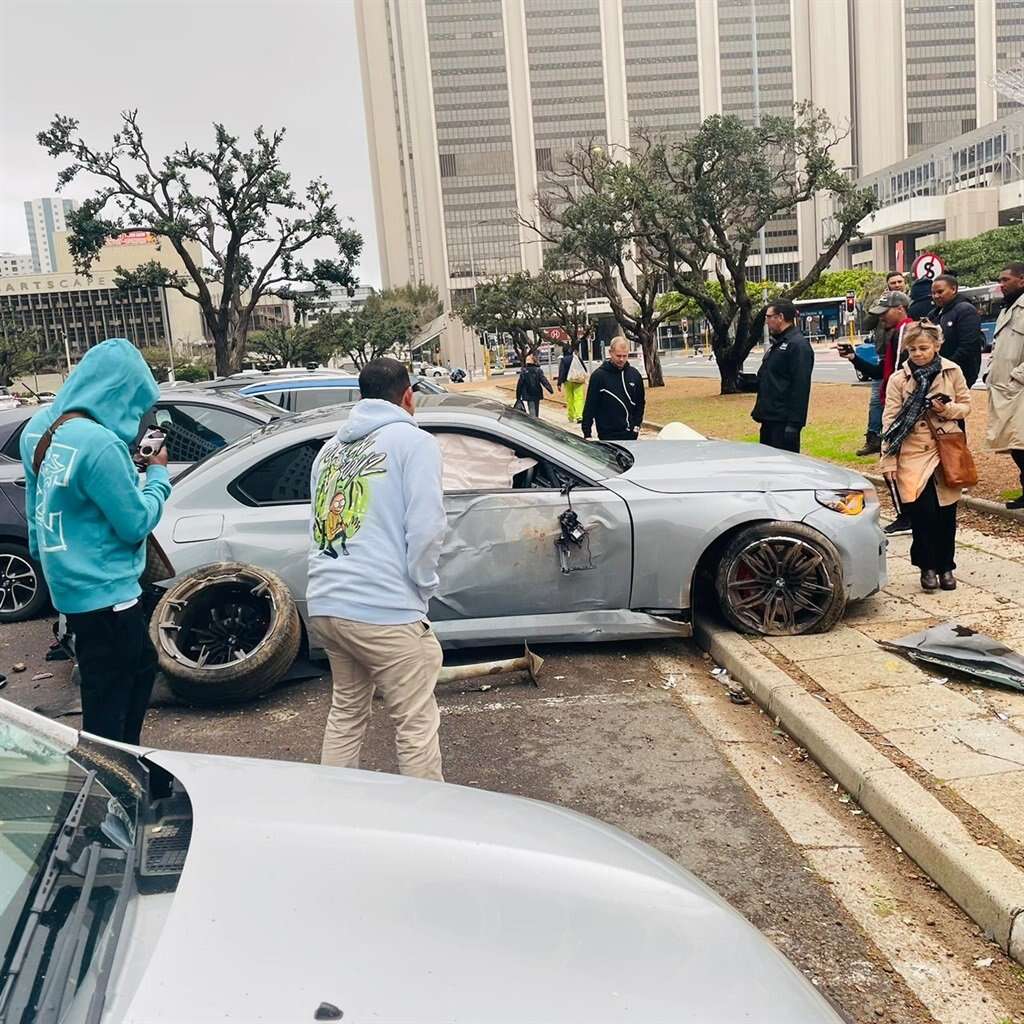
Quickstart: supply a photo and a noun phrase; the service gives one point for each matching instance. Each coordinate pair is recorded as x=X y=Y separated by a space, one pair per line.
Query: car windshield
x=603 y=456
x=55 y=821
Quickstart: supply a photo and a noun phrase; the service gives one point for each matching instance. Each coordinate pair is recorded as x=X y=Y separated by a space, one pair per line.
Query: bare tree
x=235 y=205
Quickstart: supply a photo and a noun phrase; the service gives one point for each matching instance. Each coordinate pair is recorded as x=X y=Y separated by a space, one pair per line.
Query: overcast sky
x=184 y=64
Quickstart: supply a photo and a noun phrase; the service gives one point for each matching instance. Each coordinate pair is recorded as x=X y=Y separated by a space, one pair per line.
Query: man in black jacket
x=961 y=326
x=615 y=397
x=531 y=386
x=784 y=380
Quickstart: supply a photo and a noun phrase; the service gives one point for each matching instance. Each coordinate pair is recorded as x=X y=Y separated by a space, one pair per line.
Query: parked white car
x=149 y=886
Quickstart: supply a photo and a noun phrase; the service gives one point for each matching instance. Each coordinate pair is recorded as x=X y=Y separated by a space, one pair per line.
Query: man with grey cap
x=891 y=310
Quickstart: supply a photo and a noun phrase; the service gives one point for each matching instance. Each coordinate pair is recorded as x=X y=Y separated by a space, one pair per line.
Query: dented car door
x=500 y=557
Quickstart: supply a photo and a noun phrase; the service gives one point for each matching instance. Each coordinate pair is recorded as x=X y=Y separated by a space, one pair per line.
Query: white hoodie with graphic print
x=378 y=519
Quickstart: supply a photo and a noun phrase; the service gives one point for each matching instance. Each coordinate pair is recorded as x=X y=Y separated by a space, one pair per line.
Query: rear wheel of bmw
x=781 y=579
x=23 y=592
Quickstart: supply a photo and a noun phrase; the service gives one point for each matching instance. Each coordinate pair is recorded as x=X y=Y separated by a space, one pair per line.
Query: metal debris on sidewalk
x=961 y=648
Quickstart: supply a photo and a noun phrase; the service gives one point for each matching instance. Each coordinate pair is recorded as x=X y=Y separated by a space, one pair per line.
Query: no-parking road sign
x=927 y=266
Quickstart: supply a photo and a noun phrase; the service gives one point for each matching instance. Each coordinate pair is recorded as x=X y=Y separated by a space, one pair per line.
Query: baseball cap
x=889 y=300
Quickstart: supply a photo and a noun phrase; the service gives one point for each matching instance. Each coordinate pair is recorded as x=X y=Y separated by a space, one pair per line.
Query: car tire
x=225 y=633
x=23 y=591
x=811 y=597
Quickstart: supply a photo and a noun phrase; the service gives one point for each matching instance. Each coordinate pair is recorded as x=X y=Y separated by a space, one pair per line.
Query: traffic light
x=851 y=302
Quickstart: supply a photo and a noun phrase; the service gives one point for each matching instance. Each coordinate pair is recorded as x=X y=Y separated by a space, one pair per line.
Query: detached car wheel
x=780 y=579
x=226 y=632
x=23 y=591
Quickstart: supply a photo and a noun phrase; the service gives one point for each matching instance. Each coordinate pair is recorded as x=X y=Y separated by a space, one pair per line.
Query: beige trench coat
x=1006 y=381
x=918 y=457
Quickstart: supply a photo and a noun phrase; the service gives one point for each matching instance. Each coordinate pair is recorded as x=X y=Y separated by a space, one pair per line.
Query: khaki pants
x=402 y=662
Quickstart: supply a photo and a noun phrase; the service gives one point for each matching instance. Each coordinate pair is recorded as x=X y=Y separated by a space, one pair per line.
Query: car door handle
x=20 y=482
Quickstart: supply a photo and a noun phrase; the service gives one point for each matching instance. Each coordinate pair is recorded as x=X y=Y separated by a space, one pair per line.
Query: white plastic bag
x=577 y=371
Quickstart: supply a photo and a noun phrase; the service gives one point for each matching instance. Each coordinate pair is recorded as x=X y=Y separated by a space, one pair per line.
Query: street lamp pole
x=757 y=124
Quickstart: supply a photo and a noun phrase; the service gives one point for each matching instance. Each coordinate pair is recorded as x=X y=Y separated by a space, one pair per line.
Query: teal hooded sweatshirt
x=88 y=516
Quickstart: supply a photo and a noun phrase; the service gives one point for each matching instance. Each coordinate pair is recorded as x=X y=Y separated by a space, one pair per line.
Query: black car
x=196 y=423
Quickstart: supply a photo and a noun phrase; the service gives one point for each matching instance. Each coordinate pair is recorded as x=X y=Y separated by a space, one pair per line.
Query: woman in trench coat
x=926 y=389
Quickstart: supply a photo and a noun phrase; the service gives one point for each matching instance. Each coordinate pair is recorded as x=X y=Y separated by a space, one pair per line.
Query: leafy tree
x=158 y=359
x=421 y=300
x=508 y=305
x=365 y=334
x=836 y=283
x=675 y=306
x=978 y=260
x=559 y=301
x=19 y=350
x=192 y=372
x=700 y=202
x=287 y=346
x=236 y=205
x=587 y=214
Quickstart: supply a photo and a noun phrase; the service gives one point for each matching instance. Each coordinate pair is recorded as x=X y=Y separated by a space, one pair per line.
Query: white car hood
x=398 y=900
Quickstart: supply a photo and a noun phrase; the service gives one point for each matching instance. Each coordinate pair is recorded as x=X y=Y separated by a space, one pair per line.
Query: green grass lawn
x=835 y=431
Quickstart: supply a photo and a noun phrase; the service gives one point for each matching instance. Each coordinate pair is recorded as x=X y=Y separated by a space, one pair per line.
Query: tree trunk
x=730 y=363
x=652 y=361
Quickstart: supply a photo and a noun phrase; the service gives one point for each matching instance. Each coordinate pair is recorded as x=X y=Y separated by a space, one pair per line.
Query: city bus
x=989 y=300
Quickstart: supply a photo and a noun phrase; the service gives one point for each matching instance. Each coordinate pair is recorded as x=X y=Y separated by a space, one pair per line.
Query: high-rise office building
x=14 y=263
x=469 y=103
x=44 y=218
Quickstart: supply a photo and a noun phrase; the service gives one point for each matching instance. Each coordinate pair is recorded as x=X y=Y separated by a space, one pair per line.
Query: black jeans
x=533 y=406
x=785 y=436
x=118 y=665
x=1017 y=454
x=934 y=529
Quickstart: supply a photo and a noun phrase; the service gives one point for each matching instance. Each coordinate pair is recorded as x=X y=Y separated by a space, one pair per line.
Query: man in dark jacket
x=894 y=282
x=920 y=298
x=615 y=397
x=531 y=386
x=784 y=380
x=961 y=326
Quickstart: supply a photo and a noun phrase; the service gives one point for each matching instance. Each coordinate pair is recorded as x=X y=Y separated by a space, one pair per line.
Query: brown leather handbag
x=958 y=468
x=158 y=565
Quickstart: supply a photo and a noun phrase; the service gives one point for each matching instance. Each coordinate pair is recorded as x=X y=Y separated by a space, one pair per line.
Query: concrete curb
x=987 y=886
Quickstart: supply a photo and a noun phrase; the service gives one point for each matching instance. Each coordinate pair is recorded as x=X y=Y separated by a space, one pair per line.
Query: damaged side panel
x=499 y=557
x=663 y=572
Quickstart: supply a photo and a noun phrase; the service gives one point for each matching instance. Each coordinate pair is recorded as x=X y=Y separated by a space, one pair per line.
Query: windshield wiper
x=56 y=866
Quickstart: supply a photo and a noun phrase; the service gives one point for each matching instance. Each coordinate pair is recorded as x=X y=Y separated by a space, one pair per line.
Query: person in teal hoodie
x=88 y=518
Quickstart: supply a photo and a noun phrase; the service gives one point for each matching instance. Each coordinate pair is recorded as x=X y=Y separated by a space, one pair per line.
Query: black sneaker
x=901 y=524
x=1016 y=505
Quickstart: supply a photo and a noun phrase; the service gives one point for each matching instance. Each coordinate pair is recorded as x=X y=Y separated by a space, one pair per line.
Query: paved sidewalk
x=964 y=742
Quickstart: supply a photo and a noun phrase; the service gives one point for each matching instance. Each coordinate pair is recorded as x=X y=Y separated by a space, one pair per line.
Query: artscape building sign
x=53 y=283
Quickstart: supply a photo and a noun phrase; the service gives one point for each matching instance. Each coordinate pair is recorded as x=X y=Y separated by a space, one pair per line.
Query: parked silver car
x=149 y=886
x=783 y=540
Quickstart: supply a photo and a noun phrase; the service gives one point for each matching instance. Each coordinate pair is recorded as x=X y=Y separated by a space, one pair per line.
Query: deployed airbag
x=477 y=464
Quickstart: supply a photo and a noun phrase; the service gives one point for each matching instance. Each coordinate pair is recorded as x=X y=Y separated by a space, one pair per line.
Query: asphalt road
x=829 y=367
x=608 y=734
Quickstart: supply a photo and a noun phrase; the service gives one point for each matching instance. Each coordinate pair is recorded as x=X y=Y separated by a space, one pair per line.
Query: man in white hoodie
x=378 y=526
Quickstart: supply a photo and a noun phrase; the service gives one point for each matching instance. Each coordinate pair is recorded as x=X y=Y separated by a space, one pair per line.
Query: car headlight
x=847 y=503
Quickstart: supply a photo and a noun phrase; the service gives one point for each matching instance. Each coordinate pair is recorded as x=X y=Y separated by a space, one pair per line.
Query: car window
x=12 y=446
x=601 y=455
x=281 y=479
x=279 y=398
x=194 y=431
x=304 y=399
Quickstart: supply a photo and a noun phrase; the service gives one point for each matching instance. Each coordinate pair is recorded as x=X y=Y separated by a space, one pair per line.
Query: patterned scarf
x=913 y=408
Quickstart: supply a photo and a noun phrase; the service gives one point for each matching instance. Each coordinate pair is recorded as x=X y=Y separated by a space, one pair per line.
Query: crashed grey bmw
x=550 y=537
